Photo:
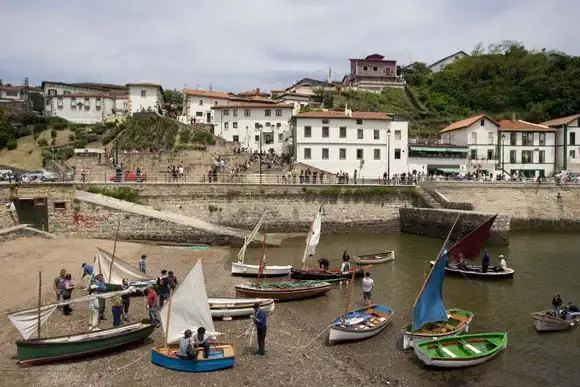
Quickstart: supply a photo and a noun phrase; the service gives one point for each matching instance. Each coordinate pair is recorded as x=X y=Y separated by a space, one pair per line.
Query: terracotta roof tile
x=521 y=126
x=206 y=93
x=467 y=123
x=144 y=84
x=342 y=114
x=561 y=121
x=253 y=106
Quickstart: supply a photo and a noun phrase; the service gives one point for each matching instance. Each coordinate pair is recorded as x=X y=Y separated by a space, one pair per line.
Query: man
x=143 y=264
x=259 y=318
x=502 y=263
x=87 y=270
x=172 y=280
x=93 y=310
x=164 y=288
x=152 y=301
x=12 y=210
x=323 y=264
x=485 y=263
x=117 y=310
x=201 y=340
x=126 y=298
x=100 y=289
x=58 y=285
x=186 y=346
x=556 y=304
x=367 y=286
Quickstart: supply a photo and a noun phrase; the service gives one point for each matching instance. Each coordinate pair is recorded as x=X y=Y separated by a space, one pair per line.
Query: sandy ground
x=285 y=364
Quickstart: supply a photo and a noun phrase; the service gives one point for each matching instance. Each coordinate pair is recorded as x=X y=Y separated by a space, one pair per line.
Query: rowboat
x=472 y=271
x=284 y=291
x=370 y=259
x=360 y=324
x=545 y=322
x=322 y=275
x=458 y=321
x=188 y=308
x=237 y=307
x=461 y=351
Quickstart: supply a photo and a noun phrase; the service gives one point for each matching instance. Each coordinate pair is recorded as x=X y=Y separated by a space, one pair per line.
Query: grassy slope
x=28 y=154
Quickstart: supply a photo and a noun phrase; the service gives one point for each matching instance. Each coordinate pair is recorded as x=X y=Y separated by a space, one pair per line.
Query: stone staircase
x=428 y=199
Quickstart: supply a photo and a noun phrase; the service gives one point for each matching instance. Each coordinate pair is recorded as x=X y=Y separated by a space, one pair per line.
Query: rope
x=302 y=346
x=133 y=362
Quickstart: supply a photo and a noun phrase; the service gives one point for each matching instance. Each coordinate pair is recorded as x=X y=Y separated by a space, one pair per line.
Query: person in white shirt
x=502 y=263
x=367 y=286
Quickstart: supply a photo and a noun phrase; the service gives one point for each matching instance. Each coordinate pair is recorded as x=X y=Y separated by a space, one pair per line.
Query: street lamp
x=389 y=156
x=503 y=154
x=261 y=127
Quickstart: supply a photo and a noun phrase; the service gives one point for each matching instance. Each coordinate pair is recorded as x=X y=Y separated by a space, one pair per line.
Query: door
x=33 y=211
x=209 y=118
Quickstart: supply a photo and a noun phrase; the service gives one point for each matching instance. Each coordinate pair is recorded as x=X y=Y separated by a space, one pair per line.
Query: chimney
x=513 y=116
x=258 y=91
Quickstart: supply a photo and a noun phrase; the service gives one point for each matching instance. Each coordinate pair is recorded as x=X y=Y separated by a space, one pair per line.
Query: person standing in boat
x=485 y=263
x=259 y=318
x=367 y=286
x=556 y=304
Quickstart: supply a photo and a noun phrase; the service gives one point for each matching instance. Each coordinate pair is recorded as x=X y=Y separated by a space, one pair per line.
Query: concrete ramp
x=29 y=228
x=138 y=209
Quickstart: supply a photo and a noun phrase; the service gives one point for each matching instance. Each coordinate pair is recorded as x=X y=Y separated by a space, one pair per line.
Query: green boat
x=461 y=351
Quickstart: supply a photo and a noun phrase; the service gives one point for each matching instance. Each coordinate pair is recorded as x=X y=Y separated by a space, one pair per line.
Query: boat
x=240 y=268
x=431 y=320
x=114 y=269
x=188 y=308
x=469 y=248
x=284 y=291
x=360 y=324
x=323 y=275
x=545 y=322
x=41 y=350
x=238 y=307
x=373 y=259
x=461 y=351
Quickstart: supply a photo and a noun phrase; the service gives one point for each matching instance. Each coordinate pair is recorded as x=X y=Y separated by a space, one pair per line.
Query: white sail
x=250 y=238
x=121 y=269
x=189 y=307
x=313 y=238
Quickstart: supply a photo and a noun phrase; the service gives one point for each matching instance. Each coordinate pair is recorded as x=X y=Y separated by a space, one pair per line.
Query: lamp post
x=503 y=154
x=389 y=156
x=261 y=127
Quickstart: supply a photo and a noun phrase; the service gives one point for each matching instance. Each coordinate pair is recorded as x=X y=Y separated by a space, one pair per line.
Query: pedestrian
x=100 y=289
x=93 y=309
x=58 y=285
x=117 y=310
x=67 y=289
x=172 y=280
x=164 y=289
x=367 y=286
x=259 y=318
x=143 y=264
x=126 y=299
x=152 y=301
x=87 y=271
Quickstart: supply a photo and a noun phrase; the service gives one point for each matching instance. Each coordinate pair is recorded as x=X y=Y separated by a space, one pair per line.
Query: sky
x=234 y=45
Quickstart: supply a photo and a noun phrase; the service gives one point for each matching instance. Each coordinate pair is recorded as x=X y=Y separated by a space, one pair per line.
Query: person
x=186 y=346
x=117 y=309
x=367 y=286
x=164 y=289
x=152 y=301
x=556 y=304
x=143 y=264
x=201 y=340
x=323 y=264
x=58 y=285
x=345 y=255
x=87 y=270
x=100 y=289
x=93 y=310
x=259 y=318
x=126 y=298
x=485 y=263
x=571 y=310
x=345 y=266
x=502 y=263
x=172 y=280
x=67 y=289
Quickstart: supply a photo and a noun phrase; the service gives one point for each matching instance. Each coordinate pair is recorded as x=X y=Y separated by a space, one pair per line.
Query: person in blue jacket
x=259 y=318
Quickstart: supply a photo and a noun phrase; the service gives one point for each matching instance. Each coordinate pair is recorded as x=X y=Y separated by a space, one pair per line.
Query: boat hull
x=461 y=351
x=543 y=322
x=245 y=270
x=340 y=333
x=283 y=294
x=373 y=259
x=322 y=275
x=238 y=307
x=221 y=357
x=461 y=320
x=475 y=272
x=33 y=352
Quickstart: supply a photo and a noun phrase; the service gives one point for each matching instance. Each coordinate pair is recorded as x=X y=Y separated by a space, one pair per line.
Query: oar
x=467 y=278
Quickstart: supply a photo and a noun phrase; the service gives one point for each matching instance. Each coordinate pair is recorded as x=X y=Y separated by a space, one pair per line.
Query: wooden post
x=349 y=295
x=39 y=301
x=114 y=249
x=169 y=302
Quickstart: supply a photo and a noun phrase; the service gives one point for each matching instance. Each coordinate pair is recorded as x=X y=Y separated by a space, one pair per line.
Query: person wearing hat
x=502 y=263
x=259 y=318
x=143 y=264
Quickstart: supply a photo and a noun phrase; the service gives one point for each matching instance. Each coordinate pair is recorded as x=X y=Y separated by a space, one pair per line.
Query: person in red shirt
x=152 y=303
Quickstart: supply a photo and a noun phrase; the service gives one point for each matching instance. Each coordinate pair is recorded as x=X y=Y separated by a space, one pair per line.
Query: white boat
x=240 y=268
x=360 y=324
x=238 y=307
x=373 y=259
x=545 y=322
x=476 y=272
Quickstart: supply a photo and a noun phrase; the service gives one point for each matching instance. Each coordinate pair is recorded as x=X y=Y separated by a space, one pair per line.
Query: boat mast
x=263 y=259
x=249 y=239
x=39 y=301
x=114 y=249
x=169 y=302
x=349 y=295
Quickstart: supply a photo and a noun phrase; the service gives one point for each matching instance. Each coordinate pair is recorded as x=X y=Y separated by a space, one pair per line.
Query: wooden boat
x=431 y=320
x=284 y=291
x=322 y=275
x=461 y=351
x=545 y=322
x=373 y=259
x=238 y=307
x=360 y=324
x=240 y=268
x=188 y=308
x=473 y=271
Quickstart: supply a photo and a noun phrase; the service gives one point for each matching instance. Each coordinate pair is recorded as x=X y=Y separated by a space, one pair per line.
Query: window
x=473 y=155
x=359 y=122
x=542 y=157
x=51 y=91
x=397 y=135
x=365 y=68
x=226 y=125
x=73 y=103
x=513 y=139
x=376 y=134
x=234 y=125
x=325 y=132
x=359 y=134
x=490 y=154
x=527 y=157
x=59 y=103
x=397 y=154
x=199 y=114
x=60 y=205
x=87 y=104
x=257 y=138
x=325 y=153
x=482 y=122
x=257 y=125
x=490 y=138
x=247 y=112
x=542 y=137
x=278 y=124
x=325 y=122
x=375 y=68
x=527 y=139
x=47 y=102
x=236 y=138
x=513 y=157
x=268 y=112
x=342 y=132
x=474 y=138
x=572 y=154
x=12 y=93
x=307 y=154
x=125 y=105
x=201 y=102
x=377 y=154
x=267 y=124
x=360 y=154
x=342 y=153
x=226 y=112
x=307 y=131
x=572 y=138
x=143 y=93
x=278 y=112
x=280 y=137
x=235 y=112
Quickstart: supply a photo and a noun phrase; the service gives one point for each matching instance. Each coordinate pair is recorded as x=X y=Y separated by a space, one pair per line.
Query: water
x=544 y=263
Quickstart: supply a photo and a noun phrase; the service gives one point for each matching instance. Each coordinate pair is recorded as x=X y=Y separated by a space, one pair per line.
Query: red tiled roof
x=561 y=121
x=467 y=123
x=206 y=93
x=342 y=114
x=144 y=84
x=87 y=95
x=521 y=126
x=253 y=105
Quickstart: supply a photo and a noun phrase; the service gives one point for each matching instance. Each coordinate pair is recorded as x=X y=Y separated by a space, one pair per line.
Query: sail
x=121 y=269
x=469 y=247
x=429 y=306
x=189 y=307
x=26 y=321
x=250 y=238
x=313 y=238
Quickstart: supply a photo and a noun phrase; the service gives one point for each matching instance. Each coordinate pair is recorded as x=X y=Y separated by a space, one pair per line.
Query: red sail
x=470 y=246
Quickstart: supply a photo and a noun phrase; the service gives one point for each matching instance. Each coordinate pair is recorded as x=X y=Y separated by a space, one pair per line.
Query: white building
x=567 y=146
x=442 y=63
x=198 y=104
x=11 y=96
x=298 y=101
x=438 y=159
x=145 y=97
x=370 y=143
x=252 y=123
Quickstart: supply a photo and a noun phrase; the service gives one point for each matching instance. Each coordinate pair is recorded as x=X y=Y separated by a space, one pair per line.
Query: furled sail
x=120 y=269
x=313 y=238
x=470 y=246
x=250 y=238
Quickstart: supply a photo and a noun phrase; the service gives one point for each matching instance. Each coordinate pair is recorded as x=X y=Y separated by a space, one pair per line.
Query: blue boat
x=360 y=324
x=221 y=356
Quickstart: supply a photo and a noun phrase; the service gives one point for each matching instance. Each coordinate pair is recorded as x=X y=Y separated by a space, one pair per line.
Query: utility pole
x=261 y=133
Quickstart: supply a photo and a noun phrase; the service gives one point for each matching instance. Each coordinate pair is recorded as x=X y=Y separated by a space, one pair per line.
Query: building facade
x=369 y=143
x=442 y=63
x=198 y=104
x=373 y=73
x=12 y=96
x=146 y=97
x=567 y=142
x=254 y=124
x=438 y=159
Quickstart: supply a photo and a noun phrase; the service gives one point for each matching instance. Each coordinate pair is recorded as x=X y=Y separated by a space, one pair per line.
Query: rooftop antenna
x=210 y=87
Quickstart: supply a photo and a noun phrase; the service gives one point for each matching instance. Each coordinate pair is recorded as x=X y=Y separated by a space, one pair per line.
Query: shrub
x=184 y=136
x=12 y=144
x=71 y=137
x=65 y=153
x=121 y=193
x=92 y=137
x=204 y=138
x=53 y=133
x=42 y=142
x=99 y=129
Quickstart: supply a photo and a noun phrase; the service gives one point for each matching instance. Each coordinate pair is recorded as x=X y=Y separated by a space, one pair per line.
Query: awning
x=448 y=170
x=437 y=149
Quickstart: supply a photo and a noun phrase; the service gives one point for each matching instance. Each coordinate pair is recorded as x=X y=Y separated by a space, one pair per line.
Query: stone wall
x=437 y=223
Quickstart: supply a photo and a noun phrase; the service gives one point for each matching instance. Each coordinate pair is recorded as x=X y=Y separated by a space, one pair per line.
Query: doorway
x=208 y=118
x=33 y=211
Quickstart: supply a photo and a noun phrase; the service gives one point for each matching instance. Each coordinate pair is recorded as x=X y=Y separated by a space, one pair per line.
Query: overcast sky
x=242 y=44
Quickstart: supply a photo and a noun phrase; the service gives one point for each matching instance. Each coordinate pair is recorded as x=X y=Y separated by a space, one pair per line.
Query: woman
x=68 y=287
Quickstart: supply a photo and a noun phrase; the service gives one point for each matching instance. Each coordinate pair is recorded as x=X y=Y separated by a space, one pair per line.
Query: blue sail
x=429 y=305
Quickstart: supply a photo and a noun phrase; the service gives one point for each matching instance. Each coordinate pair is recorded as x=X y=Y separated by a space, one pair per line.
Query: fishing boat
x=238 y=307
x=188 y=308
x=431 y=320
x=41 y=350
x=461 y=351
x=324 y=275
x=472 y=271
x=545 y=322
x=240 y=268
x=373 y=259
x=284 y=291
